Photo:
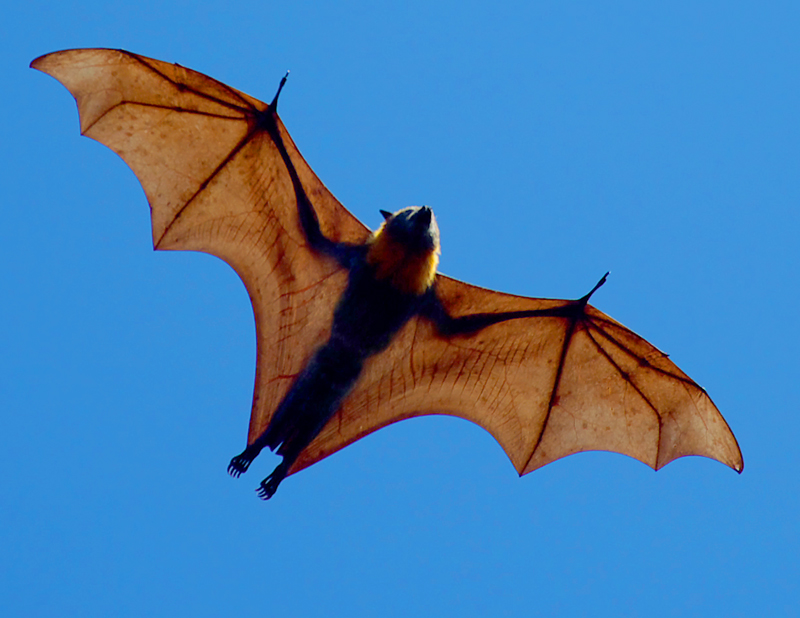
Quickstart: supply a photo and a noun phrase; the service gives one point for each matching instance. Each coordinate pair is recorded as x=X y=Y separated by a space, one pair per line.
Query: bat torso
x=370 y=312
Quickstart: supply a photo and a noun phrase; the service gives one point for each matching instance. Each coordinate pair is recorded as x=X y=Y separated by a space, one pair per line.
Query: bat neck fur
x=410 y=270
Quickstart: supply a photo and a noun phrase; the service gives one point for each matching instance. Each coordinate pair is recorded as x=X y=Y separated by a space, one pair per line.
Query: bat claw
x=274 y=105
x=267 y=488
x=240 y=464
x=270 y=484
x=585 y=299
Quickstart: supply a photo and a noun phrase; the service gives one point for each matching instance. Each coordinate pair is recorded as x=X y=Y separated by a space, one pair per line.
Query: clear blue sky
x=555 y=141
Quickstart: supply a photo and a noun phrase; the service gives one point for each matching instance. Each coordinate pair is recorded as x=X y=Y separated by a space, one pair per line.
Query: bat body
x=390 y=280
x=356 y=330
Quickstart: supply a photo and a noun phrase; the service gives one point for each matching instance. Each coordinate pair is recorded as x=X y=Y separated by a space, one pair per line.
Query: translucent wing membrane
x=217 y=183
x=544 y=387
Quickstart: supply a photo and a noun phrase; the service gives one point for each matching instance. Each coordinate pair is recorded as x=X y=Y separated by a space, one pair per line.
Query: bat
x=356 y=329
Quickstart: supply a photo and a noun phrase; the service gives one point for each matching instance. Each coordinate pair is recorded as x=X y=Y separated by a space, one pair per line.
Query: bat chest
x=370 y=313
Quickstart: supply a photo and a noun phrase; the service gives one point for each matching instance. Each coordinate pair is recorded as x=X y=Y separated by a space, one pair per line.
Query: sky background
x=555 y=141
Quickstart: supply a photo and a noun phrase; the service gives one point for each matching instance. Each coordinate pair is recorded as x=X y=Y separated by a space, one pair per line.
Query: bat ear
x=386 y=214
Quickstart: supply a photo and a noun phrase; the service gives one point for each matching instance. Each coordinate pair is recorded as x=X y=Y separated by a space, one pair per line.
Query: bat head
x=413 y=227
x=405 y=249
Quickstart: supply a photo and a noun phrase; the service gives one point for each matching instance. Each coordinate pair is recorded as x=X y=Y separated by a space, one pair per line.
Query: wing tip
x=37 y=62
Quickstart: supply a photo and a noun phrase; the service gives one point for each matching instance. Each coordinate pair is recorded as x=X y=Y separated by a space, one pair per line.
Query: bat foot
x=270 y=484
x=241 y=463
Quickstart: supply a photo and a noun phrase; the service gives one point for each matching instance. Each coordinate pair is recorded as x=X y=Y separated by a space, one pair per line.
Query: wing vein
x=554 y=392
x=642 y=360
x=626 y=378
x=228 y=158
x=182 y=86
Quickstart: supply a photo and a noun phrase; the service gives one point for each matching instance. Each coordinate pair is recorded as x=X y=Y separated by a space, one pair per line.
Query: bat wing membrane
x=216 y=182
x=544 y=387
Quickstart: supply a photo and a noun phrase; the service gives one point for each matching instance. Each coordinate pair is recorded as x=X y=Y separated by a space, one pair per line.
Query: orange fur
x=408 y=271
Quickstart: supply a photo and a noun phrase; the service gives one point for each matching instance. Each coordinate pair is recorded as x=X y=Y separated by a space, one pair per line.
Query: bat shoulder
x=348 y=255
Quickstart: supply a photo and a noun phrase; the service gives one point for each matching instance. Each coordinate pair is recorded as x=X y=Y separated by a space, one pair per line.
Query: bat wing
x=216 y=182
x=544 y=387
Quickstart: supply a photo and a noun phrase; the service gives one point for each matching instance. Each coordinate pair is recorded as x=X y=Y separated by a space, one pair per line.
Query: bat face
x=547 y=378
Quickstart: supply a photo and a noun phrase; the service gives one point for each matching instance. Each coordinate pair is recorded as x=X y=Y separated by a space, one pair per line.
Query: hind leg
x=311 y=402
x=290 y=452
x=278 y=430
x=287 y=416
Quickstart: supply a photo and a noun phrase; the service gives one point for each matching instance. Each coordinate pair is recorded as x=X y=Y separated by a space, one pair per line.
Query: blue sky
x=555 y=141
